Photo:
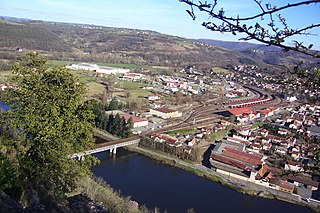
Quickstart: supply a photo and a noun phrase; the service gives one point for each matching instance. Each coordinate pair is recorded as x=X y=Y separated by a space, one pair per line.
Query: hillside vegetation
x=78 y=42
x=30 y=37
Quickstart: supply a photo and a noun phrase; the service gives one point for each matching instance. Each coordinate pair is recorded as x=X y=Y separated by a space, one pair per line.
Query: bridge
x=112 y=146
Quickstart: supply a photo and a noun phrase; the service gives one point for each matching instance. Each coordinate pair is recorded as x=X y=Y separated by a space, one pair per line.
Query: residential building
x=98 y=69
x=165 y=113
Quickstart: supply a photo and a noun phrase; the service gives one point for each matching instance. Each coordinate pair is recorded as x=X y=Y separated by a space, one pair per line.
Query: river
x=175 y=190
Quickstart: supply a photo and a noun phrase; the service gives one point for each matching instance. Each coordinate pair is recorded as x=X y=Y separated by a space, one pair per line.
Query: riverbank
x=230 y=182
x=98 y=191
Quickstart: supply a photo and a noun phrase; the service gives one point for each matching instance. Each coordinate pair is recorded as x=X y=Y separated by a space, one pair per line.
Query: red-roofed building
x=238 y=140
x=166 y=138
x=137 y=122
x=285 y=186
x=244 y=114
x=242 y=156
x=229 y=161
x=240 y=111
x=302 y=181
x=266 y=112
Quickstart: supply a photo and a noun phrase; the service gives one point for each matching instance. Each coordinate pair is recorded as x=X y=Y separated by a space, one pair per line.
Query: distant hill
x=80 y=42
x=19 y=35
x=268 y=54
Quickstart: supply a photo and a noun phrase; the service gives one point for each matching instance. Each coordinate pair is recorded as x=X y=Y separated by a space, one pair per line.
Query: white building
x=98 y=69
x=294 y=166
x=137 y=122
x=153 y=97
x=165 y=113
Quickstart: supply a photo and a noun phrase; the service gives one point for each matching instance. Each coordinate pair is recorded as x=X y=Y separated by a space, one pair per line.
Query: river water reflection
x=175 y=190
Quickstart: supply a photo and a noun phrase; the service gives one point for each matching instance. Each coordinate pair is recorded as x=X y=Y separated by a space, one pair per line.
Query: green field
x=162 y=71
x=129 y=85
x=139 y=93
x=218 y=135
x=220 y=70
x=94 y=89
x=85 y=76
x=5 y=76
x=60 y=63
x=124 y=66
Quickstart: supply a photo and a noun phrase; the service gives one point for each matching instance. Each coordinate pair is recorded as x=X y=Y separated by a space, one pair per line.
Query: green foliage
x=114 y=105
x=114 y=124
x=180 y=131
x=317 y=158
x=218 y=135
x=50 y=122
x=167 y=149
x=97 y=190
x=118 y=126
x=8 y=177
x=30 y=37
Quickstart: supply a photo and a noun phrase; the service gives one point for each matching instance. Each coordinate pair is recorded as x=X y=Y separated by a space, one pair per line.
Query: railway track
x=206 y=114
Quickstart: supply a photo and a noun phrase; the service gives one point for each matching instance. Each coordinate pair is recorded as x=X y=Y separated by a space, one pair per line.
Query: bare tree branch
x=274 y=36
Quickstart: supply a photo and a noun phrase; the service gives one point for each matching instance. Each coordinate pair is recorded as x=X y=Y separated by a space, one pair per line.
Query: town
x=252 y=135
x=132 y=106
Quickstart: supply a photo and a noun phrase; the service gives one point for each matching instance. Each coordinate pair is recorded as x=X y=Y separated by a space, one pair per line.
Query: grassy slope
x=30 y=37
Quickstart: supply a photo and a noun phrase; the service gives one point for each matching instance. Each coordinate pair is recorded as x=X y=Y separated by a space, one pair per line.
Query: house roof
x=265 y=111
x=164 y=110
x=168 y=139
x=303 y=180
x=285 y=185
x=242 y=156
x=135 y=119
x=238 y=140
x=263 y=170
x=228 y=161
x=294 y=163
x=240 y=111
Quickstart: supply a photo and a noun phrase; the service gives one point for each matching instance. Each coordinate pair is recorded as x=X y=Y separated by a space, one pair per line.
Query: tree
x=127 y=127
x=268 y=26
x=317 y=158
x=50 y=122
x=117 y=125
x=114 y=104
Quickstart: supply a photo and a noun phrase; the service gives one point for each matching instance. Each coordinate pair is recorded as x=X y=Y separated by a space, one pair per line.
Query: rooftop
x=165 y=110
x=242 y=156
x=135 y=119
x=240 y=111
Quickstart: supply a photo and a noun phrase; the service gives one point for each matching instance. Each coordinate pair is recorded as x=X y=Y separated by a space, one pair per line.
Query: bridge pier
x=113 y=151
x=80 y=157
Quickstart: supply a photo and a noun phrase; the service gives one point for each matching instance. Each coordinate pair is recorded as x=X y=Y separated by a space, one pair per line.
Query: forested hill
x=258 y=52
x=30 y=37
x=79 y=42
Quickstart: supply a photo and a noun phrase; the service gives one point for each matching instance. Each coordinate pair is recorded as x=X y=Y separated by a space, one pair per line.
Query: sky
x=164 y=16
